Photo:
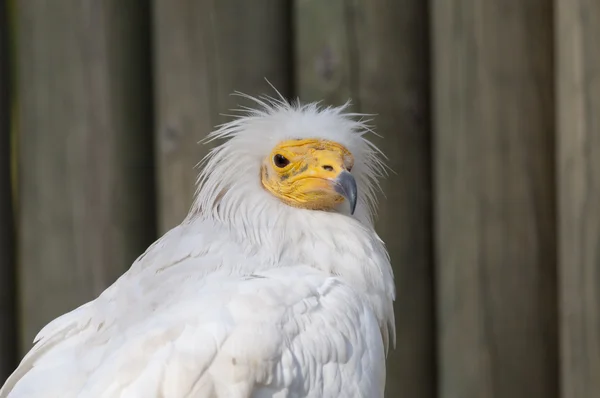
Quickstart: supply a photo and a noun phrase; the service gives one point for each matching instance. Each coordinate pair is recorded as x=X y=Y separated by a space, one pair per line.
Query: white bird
x=275 y=285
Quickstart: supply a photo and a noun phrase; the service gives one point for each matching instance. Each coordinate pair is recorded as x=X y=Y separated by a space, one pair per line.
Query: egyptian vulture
x=275 y=285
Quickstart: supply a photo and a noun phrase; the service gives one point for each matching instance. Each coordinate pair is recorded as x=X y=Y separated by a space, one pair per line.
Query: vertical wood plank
x=8 y=320
x=495 y=203
x=578 y=118
x=86 y=178
x=206 y=50
x=322 y=59
x=376 y=51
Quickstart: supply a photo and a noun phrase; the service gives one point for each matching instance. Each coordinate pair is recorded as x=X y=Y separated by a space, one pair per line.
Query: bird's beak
x=345 y=185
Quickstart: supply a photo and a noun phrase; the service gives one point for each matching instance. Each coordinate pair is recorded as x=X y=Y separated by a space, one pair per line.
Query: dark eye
x=280 y=161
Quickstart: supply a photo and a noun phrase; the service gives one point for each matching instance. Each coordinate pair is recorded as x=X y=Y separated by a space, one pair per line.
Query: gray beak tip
x=345 y=185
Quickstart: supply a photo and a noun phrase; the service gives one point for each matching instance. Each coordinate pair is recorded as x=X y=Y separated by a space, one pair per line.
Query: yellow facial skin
x=306 y=173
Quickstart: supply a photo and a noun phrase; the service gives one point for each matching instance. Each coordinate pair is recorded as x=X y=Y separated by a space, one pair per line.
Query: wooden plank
x=8 y=320
x=322 y=59
x=86 y=178
x=495 y=198
x=376 y=52
x=206 y=50
x=578 y=119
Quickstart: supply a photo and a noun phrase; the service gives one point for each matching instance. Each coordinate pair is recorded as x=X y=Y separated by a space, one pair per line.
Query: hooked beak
x=345 y=185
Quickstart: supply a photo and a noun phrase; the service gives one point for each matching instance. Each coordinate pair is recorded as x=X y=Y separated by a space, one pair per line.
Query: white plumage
x=248 y=297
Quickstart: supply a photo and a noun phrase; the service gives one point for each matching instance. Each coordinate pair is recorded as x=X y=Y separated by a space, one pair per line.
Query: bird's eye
x=280 y=161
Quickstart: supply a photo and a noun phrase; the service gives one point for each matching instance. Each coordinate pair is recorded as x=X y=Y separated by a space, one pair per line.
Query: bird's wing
x=287 y=332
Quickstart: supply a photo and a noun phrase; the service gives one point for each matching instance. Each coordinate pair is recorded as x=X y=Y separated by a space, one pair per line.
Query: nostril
x=327 y=167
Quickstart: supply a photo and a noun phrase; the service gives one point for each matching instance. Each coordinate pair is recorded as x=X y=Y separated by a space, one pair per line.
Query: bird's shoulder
x=178 y=325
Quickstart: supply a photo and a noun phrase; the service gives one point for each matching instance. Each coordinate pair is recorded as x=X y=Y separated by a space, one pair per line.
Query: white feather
x=248 y=297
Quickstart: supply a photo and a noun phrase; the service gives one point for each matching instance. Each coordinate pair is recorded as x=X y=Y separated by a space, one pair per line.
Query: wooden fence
x=490 y=112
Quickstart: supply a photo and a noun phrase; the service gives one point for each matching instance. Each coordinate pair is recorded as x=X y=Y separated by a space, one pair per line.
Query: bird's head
x=294 y=158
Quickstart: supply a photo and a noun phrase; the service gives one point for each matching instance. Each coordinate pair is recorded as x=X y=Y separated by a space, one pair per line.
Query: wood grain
x=206 y=50
x=376 y=52
x=86 y=178
x=495 y=203
x=578 y=120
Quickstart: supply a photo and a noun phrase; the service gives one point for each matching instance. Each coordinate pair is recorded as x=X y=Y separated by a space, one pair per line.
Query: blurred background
x=489 y=112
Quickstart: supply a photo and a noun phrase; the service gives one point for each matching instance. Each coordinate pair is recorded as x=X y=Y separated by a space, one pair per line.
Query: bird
x=276 y=283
